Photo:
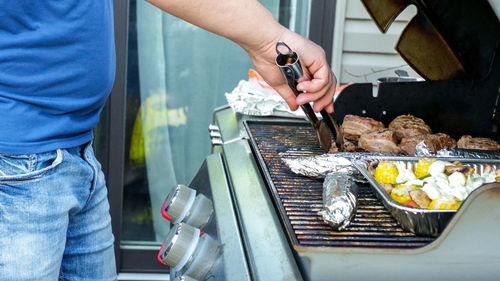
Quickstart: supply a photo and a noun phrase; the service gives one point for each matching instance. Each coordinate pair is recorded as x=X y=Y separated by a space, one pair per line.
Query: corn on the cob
x=386 y=172
x=400 y=193
x=422 y=169
x=443 y=204
x=400 y=198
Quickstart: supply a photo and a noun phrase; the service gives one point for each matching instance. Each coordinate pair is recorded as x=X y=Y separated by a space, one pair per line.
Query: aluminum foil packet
x=468 y=153
x=339 y=199
x=250 y=98
x=318 y=166
x=422 y=150
x=339 y=186
x=321 y=165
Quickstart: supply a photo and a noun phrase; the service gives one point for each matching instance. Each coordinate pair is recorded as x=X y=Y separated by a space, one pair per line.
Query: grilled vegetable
x=400 y=198
x=386 y=172
x=420 y=197
x=459 y=167
x=412 y=203
x=423 y=165
x=401 y=193
x=433 y=184
x=444 y=204
x=388 y=187
x=372 y=167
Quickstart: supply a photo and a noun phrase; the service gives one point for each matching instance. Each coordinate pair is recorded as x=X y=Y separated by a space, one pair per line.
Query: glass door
x=153 y=133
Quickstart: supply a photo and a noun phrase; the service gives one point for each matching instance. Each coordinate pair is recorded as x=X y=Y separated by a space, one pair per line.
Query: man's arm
x=253 y=27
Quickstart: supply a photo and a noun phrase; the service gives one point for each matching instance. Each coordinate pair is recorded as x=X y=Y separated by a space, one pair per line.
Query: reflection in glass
x=177 y=74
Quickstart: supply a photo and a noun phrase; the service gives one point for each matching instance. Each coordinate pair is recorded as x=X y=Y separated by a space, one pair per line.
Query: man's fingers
x=325 y=102
x=326 y=91
x=319 y=90
x=289 y=97
x=321 y=78
x=330 y=108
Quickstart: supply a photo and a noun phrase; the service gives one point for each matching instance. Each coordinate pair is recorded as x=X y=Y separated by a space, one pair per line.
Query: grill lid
x=447 y=39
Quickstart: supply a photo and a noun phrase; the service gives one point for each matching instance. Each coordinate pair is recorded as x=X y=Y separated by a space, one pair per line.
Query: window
x=153 y=132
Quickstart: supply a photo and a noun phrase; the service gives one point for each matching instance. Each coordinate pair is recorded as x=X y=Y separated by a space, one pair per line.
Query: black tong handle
x=307 y=108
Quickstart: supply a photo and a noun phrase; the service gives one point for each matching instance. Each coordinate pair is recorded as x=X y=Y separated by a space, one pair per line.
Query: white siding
x=361 y=53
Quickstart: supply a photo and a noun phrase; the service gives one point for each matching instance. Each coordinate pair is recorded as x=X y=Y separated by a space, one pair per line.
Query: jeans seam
x=33 y=175
x=32 y=162
x=95 y=174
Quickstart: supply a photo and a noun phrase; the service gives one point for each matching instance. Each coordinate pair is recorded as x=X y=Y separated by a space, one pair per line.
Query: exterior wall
x=361 y=52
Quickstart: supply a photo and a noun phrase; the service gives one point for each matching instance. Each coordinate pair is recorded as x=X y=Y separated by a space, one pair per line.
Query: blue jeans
x=54 y=217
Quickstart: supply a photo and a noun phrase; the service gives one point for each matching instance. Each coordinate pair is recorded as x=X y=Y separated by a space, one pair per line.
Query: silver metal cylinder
x=204 y=258
x=177 y=201
x=201 y=212
x=178 y=245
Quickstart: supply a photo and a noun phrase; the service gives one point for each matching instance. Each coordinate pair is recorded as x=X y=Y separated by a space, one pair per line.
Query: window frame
x=112 y=128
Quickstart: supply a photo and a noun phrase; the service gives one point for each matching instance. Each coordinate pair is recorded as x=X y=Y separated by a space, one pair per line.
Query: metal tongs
x=291 y=69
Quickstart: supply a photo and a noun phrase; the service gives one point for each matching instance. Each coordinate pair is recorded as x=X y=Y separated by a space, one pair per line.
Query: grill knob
x=183 y=205
x=178 y=202
x=201 y=212
x=179 y=245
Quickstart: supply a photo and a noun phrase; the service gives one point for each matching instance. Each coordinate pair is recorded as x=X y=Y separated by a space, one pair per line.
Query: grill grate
x=298 y=198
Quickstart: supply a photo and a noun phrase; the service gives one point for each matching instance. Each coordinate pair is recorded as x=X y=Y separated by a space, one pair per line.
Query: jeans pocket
x=27 y=167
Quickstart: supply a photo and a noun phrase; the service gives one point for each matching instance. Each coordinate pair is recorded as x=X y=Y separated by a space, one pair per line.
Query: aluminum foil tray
x=419 y=221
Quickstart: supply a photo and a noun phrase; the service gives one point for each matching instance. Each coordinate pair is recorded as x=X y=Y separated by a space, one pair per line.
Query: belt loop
x=83 y=148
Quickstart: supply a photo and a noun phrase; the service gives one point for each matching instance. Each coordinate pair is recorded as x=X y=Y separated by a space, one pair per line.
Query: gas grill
x=275 y=211
x=284 y=238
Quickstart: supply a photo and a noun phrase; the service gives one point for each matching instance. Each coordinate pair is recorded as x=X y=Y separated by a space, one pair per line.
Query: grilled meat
x=348 y=147
x=382 y=141
x=354 y=126
x=434 y=142
x=408 y=125
x=469 y=142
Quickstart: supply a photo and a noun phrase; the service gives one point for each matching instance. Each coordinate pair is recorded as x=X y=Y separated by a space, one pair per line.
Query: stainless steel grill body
x=290 y=242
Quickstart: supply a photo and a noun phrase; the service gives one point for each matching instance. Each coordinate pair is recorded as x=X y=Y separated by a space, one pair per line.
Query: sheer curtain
x=184 y=72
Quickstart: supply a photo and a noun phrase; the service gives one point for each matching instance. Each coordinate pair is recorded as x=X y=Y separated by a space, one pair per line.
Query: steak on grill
x=354 y=126
x=382 y=141
x=348 y=147
x=434 y=142
x=408 y=125
x=469 y=142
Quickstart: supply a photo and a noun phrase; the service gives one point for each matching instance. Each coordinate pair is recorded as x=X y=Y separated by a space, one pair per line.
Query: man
x=56 y=70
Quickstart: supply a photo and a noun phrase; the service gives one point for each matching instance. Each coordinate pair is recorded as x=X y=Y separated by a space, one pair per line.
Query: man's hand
x=319 y=81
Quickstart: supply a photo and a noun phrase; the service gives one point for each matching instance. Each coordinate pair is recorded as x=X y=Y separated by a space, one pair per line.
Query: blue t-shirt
x=57 y=66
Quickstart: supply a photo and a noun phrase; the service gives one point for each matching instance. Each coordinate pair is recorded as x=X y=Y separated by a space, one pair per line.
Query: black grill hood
x=447 y=39
x=454 y=45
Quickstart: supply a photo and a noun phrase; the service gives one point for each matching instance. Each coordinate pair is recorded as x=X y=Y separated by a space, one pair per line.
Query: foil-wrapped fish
x=339 y=199
x=339 y=187
x=468 y=153
x=318 y=166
